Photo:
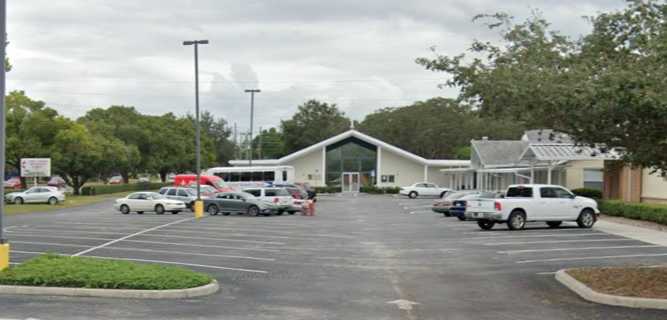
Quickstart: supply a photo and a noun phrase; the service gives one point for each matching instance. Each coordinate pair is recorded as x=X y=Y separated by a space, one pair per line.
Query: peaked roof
x=499 y=152
x=564 y=152
x=363 y=137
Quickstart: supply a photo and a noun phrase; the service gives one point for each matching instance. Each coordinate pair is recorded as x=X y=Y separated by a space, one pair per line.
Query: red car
x=13 y=183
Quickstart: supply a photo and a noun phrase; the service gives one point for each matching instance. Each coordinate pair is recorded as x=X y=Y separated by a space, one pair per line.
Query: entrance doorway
x=351 y=182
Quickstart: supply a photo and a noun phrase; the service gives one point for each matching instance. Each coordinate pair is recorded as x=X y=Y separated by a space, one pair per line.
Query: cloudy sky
x=77 y=54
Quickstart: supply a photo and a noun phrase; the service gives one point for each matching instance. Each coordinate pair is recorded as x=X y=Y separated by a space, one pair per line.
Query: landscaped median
x=93 y=277
x=635 y=287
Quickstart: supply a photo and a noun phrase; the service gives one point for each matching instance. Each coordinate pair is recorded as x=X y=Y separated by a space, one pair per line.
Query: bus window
x=269 y=176
x=257 y=176
x=235 y=176
x=246 y=176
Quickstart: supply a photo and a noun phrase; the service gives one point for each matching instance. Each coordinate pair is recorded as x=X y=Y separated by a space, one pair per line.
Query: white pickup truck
x=533 y=202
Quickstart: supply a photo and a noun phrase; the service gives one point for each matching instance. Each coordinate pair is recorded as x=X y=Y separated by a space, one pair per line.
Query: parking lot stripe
x=507 y=231
x=577 y=249
x=41 y=235
x=223 y=229
x=197 y=245
x=537 y=236
x=555 y=241
x=52 y=244
x=199 y=232
x=36 y=230
x=189 y=253
x=212 y=239
x=130 y=236
x=182 y=264
x=595 y=258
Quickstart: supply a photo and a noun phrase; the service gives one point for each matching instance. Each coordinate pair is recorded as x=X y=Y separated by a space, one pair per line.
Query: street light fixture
x=198 y=207
x=252 y=115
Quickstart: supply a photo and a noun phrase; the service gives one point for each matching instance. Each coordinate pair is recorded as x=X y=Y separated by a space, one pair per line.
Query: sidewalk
x=649 y=235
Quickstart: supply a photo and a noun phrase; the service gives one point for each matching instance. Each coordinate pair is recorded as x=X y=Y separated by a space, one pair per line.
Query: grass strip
x=51 y=270
x=642 y=282
x=70 y=202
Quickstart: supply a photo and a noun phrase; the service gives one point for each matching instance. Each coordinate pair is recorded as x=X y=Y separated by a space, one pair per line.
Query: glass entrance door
x=351 y=182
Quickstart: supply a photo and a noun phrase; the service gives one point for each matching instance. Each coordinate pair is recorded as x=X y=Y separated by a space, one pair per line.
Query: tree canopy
x=313 y=122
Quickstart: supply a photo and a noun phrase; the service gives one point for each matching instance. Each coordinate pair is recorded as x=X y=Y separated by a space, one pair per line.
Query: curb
x=204 y=290
x=591 y=295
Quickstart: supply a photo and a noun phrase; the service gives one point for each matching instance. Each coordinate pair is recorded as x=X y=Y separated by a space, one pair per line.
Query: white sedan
x=424 y=189
x=37 y=194
x=141 y=202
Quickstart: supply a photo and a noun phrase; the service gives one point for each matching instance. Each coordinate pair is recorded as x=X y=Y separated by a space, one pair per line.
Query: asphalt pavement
x=360 y=257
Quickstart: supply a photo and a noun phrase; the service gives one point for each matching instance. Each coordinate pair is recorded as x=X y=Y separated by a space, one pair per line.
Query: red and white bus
x=185 y=180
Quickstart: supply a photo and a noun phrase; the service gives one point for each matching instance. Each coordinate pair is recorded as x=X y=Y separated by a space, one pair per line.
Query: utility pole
x=252 y=116
x=236 y=143
x=4 y=245
x=260 y=144
x=199 y=209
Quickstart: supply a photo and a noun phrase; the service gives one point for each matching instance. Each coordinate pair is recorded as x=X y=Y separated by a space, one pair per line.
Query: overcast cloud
x=77 y=54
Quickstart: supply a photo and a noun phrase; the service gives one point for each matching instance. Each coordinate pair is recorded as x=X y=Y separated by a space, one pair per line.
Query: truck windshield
x=519 y=192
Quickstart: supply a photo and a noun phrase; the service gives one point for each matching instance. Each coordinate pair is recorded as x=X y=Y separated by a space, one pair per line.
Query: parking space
x=363 y=257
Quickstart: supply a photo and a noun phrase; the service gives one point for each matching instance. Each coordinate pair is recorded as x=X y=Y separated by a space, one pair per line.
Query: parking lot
x=364 y=257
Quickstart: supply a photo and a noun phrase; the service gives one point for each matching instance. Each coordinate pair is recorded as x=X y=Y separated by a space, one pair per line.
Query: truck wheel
x=486 y=224
x=554 y=224
x=516 y=221
x=586 y=219
x=413 y=194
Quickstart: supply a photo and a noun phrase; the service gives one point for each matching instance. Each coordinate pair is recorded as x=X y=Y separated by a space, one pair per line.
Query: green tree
x=272 y=145
x=219 y=133
x=313 y=122
x=78 y=155
x=607 y=88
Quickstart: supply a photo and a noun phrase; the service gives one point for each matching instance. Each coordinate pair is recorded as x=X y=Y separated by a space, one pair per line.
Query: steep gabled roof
x=496 y=153
x=363 y=137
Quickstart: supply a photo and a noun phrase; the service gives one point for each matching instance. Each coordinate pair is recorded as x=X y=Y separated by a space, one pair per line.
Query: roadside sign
x=35 y=167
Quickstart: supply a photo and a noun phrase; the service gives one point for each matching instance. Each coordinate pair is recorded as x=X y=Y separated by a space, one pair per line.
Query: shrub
x=382 y=190
x=638 y=211
x=116 y=188
x=51 y=270
x=327 y=189
x=586 y=192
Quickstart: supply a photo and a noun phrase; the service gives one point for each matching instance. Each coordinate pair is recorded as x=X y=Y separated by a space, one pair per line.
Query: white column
x=378 y=167
x=549 y=175
x=425 y=173
x=532 y=173
x=324 y=166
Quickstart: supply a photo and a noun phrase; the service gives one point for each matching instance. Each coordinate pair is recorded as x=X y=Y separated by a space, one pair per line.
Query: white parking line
x=577 y=249
x=199 y=232
x=197 y=245
x=555 y=241
x=32 y=230
x=190 y=253
x=52 y=244
x=505 y=231
x=213 y=239
x=182 y=264
x=420 y=211
x=130 y=236
x=595 y=258
x=39 y=235
x=538 y=236
x=310 y=234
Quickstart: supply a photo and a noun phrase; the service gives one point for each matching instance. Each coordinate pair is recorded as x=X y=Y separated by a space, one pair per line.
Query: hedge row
x=383 y=190
x=590 y=193
x=327 y=189
x=115 y=188
x=638 y=211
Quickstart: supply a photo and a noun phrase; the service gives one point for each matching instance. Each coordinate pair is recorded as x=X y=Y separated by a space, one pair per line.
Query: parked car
x=141 y=202
x=13 y=183
x=56 y=181
x=181 y=180
x=238 y=202
x=204 y=190
x=312 y=195
x=186 y=195
x=144 y=179
x=533 y=202
x=115 y=180
x=279 y=197
x=37 y=194
x=458 y=208
x=299 y=197
x=444 y=204
x=423 y=189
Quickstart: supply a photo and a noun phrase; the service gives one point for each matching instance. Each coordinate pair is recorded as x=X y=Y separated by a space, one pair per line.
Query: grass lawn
x=80 y=272
x=70 y=202
x=641 y=282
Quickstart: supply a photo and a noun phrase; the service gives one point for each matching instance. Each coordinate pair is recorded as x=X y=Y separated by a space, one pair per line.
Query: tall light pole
x=252 y=116
x=4 y=245
x=199 y=210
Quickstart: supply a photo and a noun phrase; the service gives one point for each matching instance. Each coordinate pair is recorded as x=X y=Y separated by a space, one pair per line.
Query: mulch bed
x=643 y=282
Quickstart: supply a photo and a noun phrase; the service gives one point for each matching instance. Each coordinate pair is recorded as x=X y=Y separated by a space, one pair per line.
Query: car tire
x=291 y=212
x=516 y=220
x=175 y=212
x=124 y=209
x=413 y=194
x=443 y=194
x=554 y=224
x=280 y=213
x=226 y=213
x=253 y=211
x=586 y=219
x=159 y=209
x=461 y=218
x=486 y=224
x=53 y=201
x=140 y=212
x=446 y=214
x=212 y=210
x=18 y=200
